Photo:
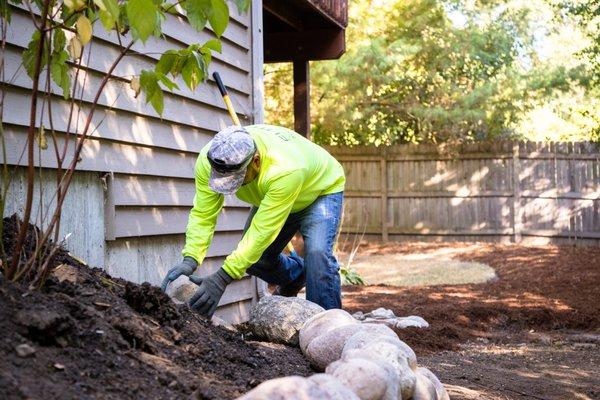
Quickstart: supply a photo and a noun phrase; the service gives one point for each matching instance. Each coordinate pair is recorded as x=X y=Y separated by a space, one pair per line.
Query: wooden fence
x=479 y=191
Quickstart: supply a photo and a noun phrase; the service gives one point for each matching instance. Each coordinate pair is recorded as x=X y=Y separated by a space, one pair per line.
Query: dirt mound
x=545 y=288
x=88 y=335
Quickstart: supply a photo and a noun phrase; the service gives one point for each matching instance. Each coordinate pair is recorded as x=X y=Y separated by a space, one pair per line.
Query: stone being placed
x=393 y=355
x=440 y=390
x=327 y=347
x=279 y=319
x=299 y=388
x=386 y=316
x=321 y=323
x=181 y=290
x=364 y=338
x=368 y=379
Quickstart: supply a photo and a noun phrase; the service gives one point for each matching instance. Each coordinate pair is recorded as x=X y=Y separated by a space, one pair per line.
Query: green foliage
x=108 y=12
x=143 y=16
x=143 y=19
x=350 y=277
x=589 y=13
x=58 y=64
x=216 y=12
x=445 y=71
x=31 y=53
x=154 y=94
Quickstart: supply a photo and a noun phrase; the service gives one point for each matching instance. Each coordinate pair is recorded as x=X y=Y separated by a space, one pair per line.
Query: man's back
x=283 y=151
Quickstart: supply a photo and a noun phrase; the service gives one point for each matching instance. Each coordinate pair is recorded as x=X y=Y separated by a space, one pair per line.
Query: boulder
x=424 y=388
x=393 y=355
x=327 y=347
x=440 y=390
x=299 y=388
x=369 y=379
x=387 y=317
x=363 y=338
x=321 y=323
x=279 y=319
x=333 y=388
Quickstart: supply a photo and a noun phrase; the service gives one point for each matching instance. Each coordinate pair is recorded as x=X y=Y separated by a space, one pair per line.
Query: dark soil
x=533 y=333
x=98 y=337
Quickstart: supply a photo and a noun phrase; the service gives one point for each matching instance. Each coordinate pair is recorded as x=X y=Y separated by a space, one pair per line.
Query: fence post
x=384 y=196
x=516 y=222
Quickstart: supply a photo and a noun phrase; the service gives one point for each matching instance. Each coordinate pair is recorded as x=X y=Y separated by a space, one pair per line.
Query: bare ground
x=532 y=333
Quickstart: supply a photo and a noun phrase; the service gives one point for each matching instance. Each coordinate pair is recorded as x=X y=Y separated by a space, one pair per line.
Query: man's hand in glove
x=185 y=267
x=207 y=297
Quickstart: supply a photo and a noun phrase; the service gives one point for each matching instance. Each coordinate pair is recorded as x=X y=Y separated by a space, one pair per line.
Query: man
x=294 y=186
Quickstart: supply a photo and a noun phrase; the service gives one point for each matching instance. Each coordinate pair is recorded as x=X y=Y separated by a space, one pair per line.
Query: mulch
x=540 y=288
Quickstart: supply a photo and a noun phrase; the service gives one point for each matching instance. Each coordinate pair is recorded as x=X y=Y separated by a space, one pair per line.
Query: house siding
x=137 y=167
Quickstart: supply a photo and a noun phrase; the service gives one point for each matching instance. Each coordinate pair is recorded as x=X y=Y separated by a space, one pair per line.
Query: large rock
x=386 y=316
x=424 y=388
x=391 y=354
x=333 y=388
x=322 y=323
x=364 y=338
x=327 y=347
x=298 y=388
x=279 y=319
x=440 y=390
x=369 y=379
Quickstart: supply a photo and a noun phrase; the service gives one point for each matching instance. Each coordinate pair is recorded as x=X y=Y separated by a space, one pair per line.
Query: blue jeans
x=318 y=270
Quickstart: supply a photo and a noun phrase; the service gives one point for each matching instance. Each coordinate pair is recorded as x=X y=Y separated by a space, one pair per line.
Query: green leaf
x=242 y=5
x=166 y=62
x=196 y=12
x=109 y=13
x=30 y=55
x=167 y=82
x=151 y=88
x=213 y=44
x=59 y=41
x=193 y=71
x=143 y=18
x=218 y=16
x=59 y=69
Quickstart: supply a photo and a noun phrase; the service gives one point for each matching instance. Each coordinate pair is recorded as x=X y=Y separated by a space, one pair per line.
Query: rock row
x=361 y=361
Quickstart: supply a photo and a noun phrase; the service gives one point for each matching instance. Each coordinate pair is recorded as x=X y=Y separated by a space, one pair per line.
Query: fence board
x=508 y=189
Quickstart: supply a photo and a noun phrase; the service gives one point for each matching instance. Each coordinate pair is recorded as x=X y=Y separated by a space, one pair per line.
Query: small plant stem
x=10 y=272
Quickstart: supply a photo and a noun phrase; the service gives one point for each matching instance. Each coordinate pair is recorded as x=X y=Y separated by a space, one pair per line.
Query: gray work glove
x=207 y=297
x=185 y=267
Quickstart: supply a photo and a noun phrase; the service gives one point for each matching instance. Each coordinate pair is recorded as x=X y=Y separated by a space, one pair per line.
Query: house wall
x=133 y=220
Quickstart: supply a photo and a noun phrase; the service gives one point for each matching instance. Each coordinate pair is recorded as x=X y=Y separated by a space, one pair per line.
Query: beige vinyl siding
x=147 y=160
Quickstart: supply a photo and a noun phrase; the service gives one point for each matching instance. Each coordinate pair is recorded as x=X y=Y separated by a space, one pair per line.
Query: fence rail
x=502 y=189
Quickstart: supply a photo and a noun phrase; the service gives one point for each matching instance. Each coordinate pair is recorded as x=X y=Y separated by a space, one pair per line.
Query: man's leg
x=319 y=226
x=273 y=266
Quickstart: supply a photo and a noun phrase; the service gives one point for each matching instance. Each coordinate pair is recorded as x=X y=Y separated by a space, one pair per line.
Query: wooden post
x=516 y=181
x=384 y=197
x=302 y=98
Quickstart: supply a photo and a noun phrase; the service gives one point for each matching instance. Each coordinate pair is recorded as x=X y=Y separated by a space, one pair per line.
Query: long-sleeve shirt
x=293 y=172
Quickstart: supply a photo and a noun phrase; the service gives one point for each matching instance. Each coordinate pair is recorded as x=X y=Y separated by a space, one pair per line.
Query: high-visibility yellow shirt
x=293 y=172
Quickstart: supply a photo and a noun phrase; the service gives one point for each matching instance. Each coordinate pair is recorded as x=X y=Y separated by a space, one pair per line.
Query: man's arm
x=203 y=216
x=266 y=223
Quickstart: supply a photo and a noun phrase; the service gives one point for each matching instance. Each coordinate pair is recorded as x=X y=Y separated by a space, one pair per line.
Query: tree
x=62 y=31
x=446 y=70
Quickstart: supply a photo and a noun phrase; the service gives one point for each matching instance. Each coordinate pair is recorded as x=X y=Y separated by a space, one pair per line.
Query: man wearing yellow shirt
x=294 y=186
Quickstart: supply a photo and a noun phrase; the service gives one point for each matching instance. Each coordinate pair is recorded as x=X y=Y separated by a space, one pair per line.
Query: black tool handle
x=220 y=84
